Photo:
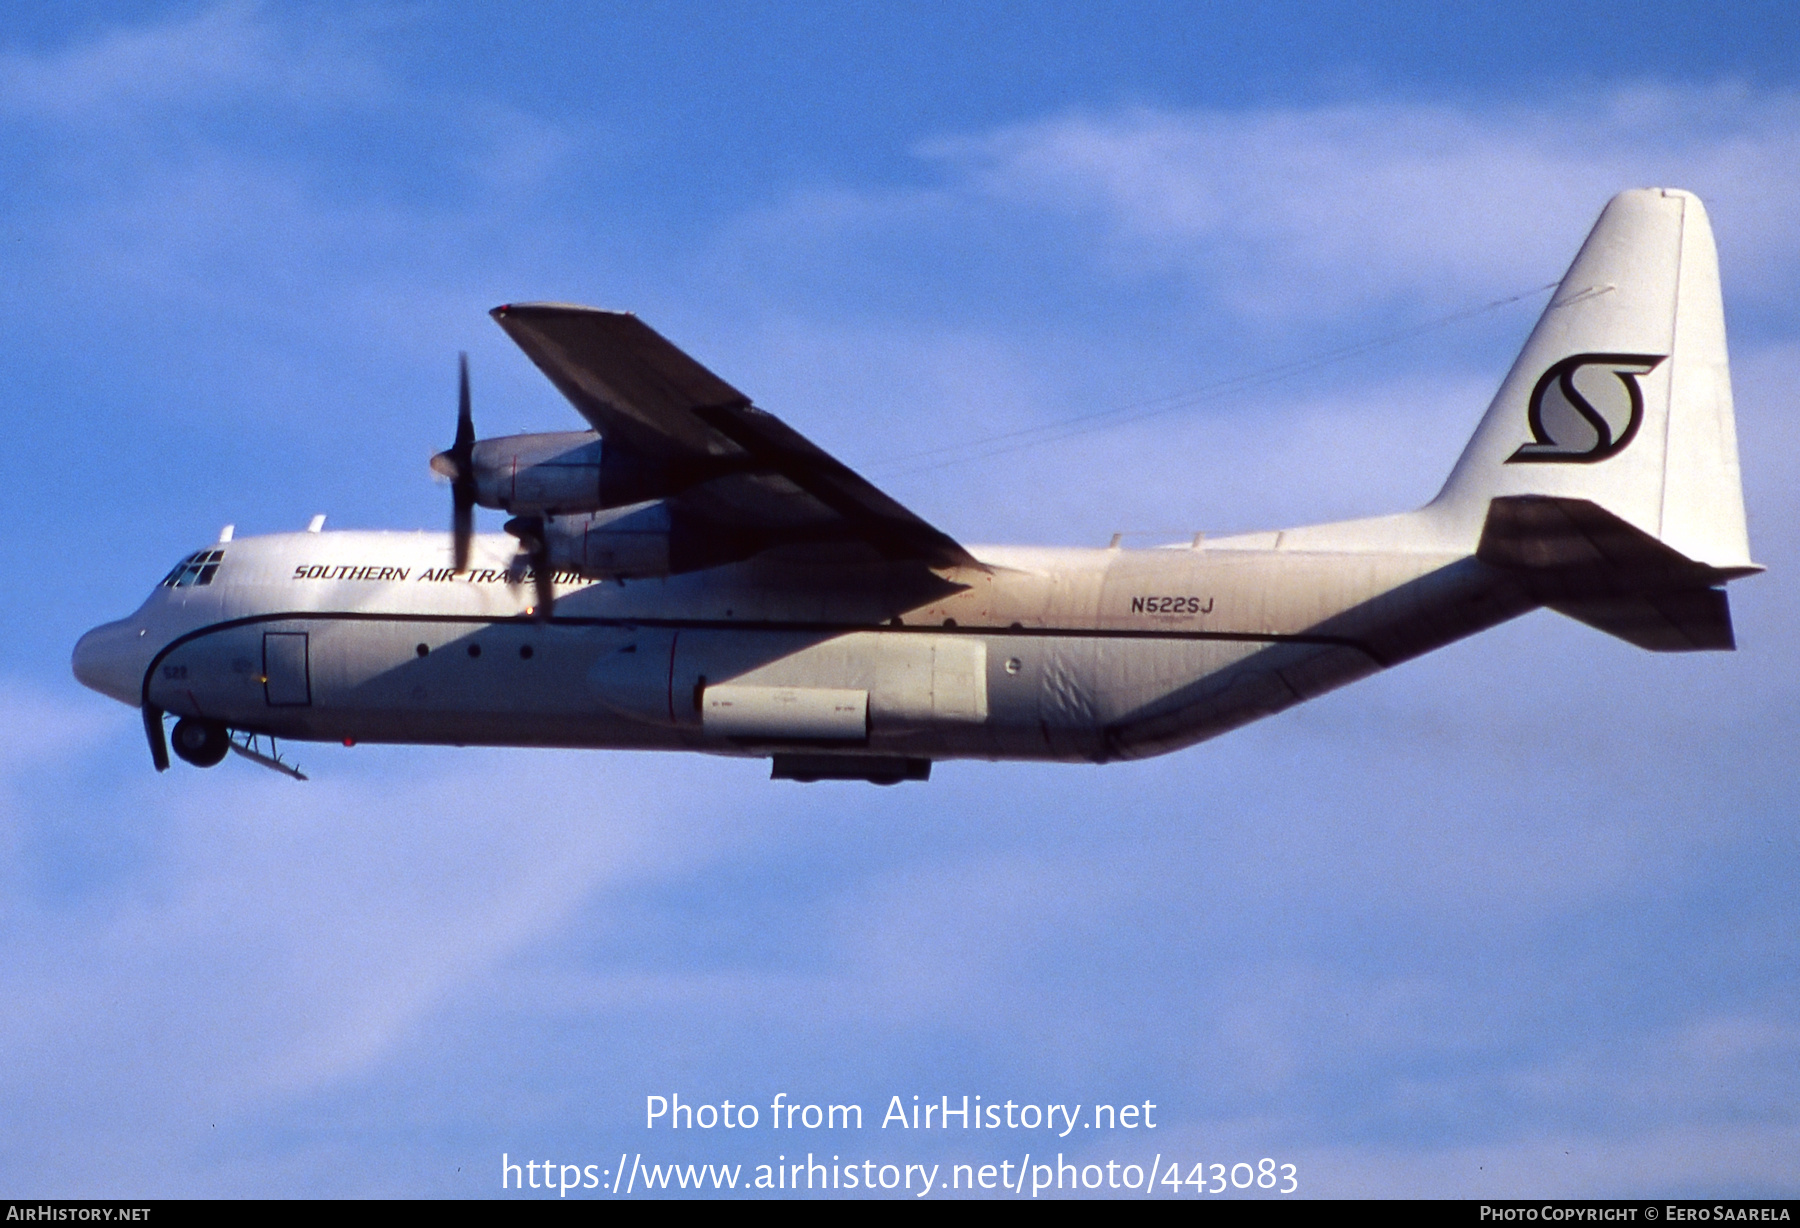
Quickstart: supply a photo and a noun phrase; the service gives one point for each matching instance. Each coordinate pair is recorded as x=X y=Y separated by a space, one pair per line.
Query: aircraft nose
x=111 y=659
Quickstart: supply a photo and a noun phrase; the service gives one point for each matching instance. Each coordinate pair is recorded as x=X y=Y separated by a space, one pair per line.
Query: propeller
x=536 y=543
x=458 y=464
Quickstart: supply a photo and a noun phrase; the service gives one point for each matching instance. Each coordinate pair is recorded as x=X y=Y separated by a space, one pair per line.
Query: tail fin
x=1622 y=396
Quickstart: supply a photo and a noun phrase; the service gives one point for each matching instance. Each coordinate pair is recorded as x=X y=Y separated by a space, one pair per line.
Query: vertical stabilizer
x=1622 y=395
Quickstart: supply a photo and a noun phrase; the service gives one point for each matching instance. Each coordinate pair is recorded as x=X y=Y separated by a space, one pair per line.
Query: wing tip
x=541 y=309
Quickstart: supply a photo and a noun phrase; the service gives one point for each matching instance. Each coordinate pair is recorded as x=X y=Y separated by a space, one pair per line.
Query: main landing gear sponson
x=200 y=742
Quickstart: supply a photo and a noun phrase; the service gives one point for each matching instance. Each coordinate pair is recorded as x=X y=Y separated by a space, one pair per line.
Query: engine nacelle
x=616 y=545
x=559 y=473
x=550 y=473
x=647 y=539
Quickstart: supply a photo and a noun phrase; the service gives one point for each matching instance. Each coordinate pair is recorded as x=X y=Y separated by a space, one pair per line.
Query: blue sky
x=1514 y=919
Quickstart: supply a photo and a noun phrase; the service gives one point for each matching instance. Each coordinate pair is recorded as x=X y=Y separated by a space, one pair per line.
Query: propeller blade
x=459 y=467
x=546 y=579
x=462 y=529
x=534 y=541
x=465 y=421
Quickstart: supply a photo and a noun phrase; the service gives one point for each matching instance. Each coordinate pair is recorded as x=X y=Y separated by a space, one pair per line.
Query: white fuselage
x=1049 y=654
x=856 y=641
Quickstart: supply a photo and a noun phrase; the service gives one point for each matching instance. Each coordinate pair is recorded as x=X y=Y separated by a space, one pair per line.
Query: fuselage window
x=197 y=568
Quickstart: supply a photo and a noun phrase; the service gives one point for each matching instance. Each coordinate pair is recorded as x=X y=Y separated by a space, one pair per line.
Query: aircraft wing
x=723 y=460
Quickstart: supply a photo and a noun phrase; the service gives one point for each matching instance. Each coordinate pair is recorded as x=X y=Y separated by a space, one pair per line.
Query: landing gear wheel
x=201 y=743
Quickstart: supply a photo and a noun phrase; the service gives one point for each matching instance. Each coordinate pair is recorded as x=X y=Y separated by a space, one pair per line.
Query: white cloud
x=1301 y=212
x=231 y=53
x=282 y=938
x=1727 y=1160
x=47 y=726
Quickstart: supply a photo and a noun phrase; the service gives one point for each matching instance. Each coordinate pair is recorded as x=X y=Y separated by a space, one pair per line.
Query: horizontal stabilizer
x=1687 y=620
x=1581 y=560
x=1581 y=541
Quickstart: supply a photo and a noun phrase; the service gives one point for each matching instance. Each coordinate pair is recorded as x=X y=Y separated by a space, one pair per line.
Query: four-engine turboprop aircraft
x=692 y=574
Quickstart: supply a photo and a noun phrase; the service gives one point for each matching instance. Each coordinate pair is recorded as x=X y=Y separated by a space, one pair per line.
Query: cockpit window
x=196 y=568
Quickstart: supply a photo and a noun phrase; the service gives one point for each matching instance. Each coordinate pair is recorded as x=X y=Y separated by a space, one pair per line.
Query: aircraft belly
x=1068 y=700
x=508 y=683
x=414 y=670
x=1095 y=692
x=630 y=670
x=1257 y=680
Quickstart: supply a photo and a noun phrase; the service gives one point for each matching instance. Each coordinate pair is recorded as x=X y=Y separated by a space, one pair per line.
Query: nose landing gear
x=200 y=742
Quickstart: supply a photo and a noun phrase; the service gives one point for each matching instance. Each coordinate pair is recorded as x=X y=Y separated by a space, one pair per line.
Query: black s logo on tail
x=1586 y=408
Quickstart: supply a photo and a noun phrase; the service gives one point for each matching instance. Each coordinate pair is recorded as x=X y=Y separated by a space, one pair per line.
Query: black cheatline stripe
x=731 y=624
